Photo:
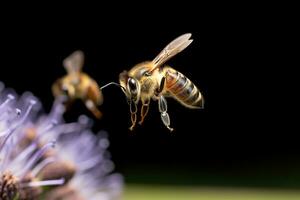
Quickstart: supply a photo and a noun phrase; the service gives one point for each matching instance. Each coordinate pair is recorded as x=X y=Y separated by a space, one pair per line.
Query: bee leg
x=161 y=87
x=144 y=111
x=163 y=108
x=133 y=121
x=133 y=111
x=93 y=108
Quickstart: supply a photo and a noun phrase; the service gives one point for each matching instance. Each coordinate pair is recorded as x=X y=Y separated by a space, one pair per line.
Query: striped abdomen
x=182 y=89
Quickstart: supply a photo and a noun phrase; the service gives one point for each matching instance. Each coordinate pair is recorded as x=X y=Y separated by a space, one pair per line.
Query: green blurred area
x=193 y=183
x=272 y=177
x=150 y=192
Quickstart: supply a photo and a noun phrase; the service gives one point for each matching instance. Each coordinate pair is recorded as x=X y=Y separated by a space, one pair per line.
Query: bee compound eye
x=132 y=85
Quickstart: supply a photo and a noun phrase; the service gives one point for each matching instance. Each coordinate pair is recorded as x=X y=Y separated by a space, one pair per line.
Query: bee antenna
x=111 y=83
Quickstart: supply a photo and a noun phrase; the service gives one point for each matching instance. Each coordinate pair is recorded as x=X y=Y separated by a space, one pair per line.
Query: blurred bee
x=153 y=79
x=78 y=85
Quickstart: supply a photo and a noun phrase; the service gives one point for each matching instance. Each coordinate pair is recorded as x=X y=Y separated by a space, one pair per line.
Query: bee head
x=130 y=86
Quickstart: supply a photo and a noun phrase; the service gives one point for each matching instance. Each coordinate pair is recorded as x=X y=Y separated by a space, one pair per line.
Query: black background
x=240 y=135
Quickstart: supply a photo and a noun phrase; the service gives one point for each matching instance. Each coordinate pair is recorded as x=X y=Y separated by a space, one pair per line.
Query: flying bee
x=154 y=80
x=78 y=85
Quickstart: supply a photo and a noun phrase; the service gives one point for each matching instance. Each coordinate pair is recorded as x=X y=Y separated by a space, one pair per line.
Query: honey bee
x=154 y=80
x=78 y=85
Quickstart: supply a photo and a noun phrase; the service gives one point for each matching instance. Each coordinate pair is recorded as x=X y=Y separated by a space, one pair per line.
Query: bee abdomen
x=183 y=90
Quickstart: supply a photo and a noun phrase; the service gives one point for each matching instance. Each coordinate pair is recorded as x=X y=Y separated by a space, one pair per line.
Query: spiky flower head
x=38 y=150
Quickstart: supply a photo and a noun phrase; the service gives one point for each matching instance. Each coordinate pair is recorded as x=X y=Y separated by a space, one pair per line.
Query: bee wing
x=74 y=62
x=173 y=48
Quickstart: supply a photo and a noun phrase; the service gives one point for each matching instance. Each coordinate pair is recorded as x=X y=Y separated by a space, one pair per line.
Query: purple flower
x=18 y=161
x=92 y=179
x=39 y=150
